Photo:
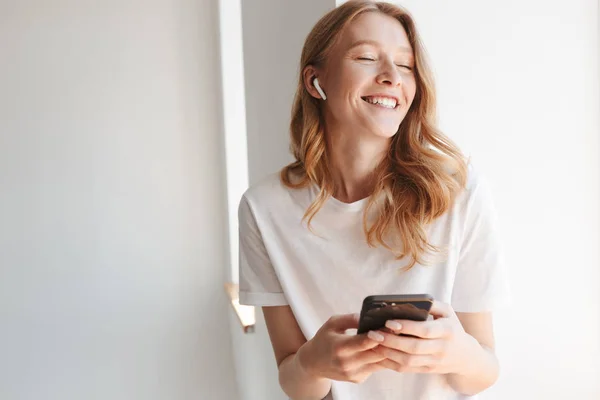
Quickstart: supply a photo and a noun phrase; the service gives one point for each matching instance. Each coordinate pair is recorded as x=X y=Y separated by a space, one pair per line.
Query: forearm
x=480 y=373
x=297 y=382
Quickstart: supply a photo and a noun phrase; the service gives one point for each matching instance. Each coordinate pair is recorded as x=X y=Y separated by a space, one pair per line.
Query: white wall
x=234 y=119
x=274 y=33
x=518 y=85
x=112 y=234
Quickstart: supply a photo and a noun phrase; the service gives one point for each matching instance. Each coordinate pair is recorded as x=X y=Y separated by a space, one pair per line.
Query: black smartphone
x=376 y=310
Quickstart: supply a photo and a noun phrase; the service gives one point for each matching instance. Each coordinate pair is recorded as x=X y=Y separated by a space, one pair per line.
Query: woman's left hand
x=439 y=346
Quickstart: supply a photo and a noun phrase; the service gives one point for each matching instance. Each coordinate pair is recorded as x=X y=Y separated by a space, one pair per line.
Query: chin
x=384 y=127
x=386 y=131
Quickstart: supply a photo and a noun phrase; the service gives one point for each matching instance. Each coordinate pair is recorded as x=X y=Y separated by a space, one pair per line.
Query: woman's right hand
x=333 y=354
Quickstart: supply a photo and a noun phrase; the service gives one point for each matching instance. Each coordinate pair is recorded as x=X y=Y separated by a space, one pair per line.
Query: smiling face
x=368 y=77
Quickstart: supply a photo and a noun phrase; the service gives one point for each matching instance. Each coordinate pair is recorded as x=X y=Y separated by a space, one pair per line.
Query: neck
x=353 y=162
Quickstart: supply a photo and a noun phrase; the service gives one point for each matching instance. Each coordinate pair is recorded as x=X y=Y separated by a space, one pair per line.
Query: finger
x=434 y=329
x=407 y=360
x=363 y=358
x=368 y=369
x=393 y=326
x=440 y=310
x=412 y=345
x=388 y=330
x=394 y=366
x=358 y=343
x=360 y=373
x=340 y=323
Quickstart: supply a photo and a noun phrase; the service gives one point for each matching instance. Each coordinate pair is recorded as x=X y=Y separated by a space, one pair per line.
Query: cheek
x=350 y=79
x=410 y=88
x=344 y=87
x=410 y=84
x=343 y=97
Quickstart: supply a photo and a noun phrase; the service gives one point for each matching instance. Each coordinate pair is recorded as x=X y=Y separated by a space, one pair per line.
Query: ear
x=308 y=76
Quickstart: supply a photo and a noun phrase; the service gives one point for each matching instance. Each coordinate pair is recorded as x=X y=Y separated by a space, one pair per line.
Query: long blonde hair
x=424 y=170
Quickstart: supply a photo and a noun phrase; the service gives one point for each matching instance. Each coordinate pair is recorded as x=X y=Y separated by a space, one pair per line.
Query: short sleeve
x=481 y=281
x=259 y=284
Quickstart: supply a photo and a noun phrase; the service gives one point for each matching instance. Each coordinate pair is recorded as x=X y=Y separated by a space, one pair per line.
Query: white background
x=112 y=234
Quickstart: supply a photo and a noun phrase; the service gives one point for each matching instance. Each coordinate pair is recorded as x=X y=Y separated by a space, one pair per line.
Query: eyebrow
x=377 y=44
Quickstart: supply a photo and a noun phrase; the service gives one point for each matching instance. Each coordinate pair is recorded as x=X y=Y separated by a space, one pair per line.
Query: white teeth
x=383 y=101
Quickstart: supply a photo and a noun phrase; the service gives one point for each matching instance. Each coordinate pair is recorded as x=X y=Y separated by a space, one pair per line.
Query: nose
x=389 y=75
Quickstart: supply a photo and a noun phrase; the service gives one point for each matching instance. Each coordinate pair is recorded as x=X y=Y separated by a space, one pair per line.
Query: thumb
x=345 y=321
x=441 y=310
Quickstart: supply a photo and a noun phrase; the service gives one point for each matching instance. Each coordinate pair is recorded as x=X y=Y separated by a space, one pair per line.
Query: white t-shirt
x=332 y=270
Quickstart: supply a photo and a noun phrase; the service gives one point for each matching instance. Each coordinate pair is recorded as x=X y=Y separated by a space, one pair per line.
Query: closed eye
x=405 y=66
x=366 y=59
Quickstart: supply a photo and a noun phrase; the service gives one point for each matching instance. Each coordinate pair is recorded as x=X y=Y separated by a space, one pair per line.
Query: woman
x=378 y=201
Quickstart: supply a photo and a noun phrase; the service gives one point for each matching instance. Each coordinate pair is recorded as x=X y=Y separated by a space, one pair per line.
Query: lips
x=383 y=101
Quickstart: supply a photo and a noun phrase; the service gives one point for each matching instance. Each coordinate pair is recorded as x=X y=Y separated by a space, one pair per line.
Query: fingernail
x=375 y=336
x=393 y=325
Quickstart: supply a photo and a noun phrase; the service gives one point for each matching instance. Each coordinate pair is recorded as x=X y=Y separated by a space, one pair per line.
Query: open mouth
x=380 y=101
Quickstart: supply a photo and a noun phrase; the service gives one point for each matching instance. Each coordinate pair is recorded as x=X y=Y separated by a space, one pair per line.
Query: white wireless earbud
x=318 y=87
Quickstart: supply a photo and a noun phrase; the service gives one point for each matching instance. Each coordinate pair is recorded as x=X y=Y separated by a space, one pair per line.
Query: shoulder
x=265 y=189
x=477 y=194
x=270 y=195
